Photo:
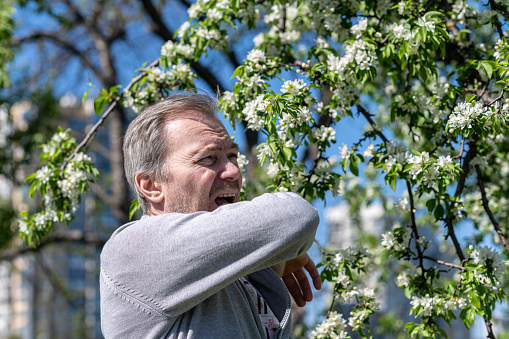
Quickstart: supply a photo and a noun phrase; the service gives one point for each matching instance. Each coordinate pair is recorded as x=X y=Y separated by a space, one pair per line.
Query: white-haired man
x=199 y=263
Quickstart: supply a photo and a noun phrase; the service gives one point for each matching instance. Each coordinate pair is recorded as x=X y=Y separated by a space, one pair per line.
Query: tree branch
x=448 y=264
x=56 y=237
x=489 y=327
x=472 y=150
x=414 y=226
x=57 y=38
x=366 y=115
x=452 y=234
x=160 y=27
x=486 y=206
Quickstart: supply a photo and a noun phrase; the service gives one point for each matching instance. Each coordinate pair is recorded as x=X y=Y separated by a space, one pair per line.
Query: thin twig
x=500 y=96
x=322 y=249
x=414 y=226
x=448 y=264
x=461 y=150
x=486 y=206
x=366 y=115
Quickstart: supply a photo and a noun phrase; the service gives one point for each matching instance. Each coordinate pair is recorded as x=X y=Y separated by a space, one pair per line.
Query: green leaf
x=488 y=68
x=85 y=97
x=439 y=211
x=354 y=169
x=99 y=103
x=392 y=182
x=238 y=71
x=135 y=206
x=31 y=176
x=408 y=167
x=288 y=153
x=470 y=97
x=424 y=33
x=430 y=204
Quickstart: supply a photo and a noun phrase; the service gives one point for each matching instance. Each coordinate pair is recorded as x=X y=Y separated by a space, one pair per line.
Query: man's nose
x=229 y=171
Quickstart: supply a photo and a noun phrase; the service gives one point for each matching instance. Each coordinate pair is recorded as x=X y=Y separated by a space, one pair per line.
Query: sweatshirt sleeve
x=179 y=260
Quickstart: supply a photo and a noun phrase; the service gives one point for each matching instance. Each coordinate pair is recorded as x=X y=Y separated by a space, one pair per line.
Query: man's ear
x=151 y=189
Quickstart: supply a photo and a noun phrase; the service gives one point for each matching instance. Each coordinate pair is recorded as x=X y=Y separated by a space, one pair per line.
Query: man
x=198 y=263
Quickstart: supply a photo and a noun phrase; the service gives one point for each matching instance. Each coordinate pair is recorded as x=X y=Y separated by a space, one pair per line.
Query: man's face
x=202 y=167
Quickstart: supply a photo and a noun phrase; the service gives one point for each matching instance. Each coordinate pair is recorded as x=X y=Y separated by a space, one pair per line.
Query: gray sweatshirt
x=176 y=275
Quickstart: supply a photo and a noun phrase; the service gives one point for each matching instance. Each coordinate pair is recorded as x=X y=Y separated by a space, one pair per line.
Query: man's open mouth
x=225 y=199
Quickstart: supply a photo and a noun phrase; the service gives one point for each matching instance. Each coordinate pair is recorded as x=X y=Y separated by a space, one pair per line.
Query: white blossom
x=485 y=255
x=345 y=152
x=442 y=160
x=428 y=304
x=330 y=326
x=293 y=87
x=60 y=137
x=214 y=14
x=428 y=24
x=242 y=161
x=369 y=151
x=342 y=279
x=403 y=280
x=44 y=174
x=359 y=27
x=183 y=29
x=273 y=169
x=23 y=227
x=400 y=32
x=324 y=133
x=357 y=318
x=389 y=162
x=464 y=113
x=254 y=111
x=256 y=56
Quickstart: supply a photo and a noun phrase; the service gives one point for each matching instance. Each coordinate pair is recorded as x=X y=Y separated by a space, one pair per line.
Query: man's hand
x=296 y=280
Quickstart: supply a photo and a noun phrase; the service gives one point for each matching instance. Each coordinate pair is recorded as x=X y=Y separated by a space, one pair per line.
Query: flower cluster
x=341 y=265
x=254 y=112
x=324 y=134
x=400 y=32
x=501 y=49
x=158 y=81
x=485 y=256
x=397 y=239
x=61 y=188
x=490 y=118
x=179 y=50
x=428 y=306
x=428 y=171
x=357 y=54
x=464 y=114
x=332 y=327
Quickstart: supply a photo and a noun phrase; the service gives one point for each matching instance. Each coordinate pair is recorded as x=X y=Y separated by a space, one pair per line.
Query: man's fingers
x=303 y=282
x=294 y=289
x=296 y=280
x=313 y=273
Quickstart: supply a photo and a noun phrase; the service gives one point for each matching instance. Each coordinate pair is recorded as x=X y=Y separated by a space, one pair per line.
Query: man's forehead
x=221 y=145
x=199 y=129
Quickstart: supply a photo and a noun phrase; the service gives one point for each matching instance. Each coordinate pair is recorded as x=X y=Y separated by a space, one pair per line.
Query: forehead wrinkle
x=220 y=147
